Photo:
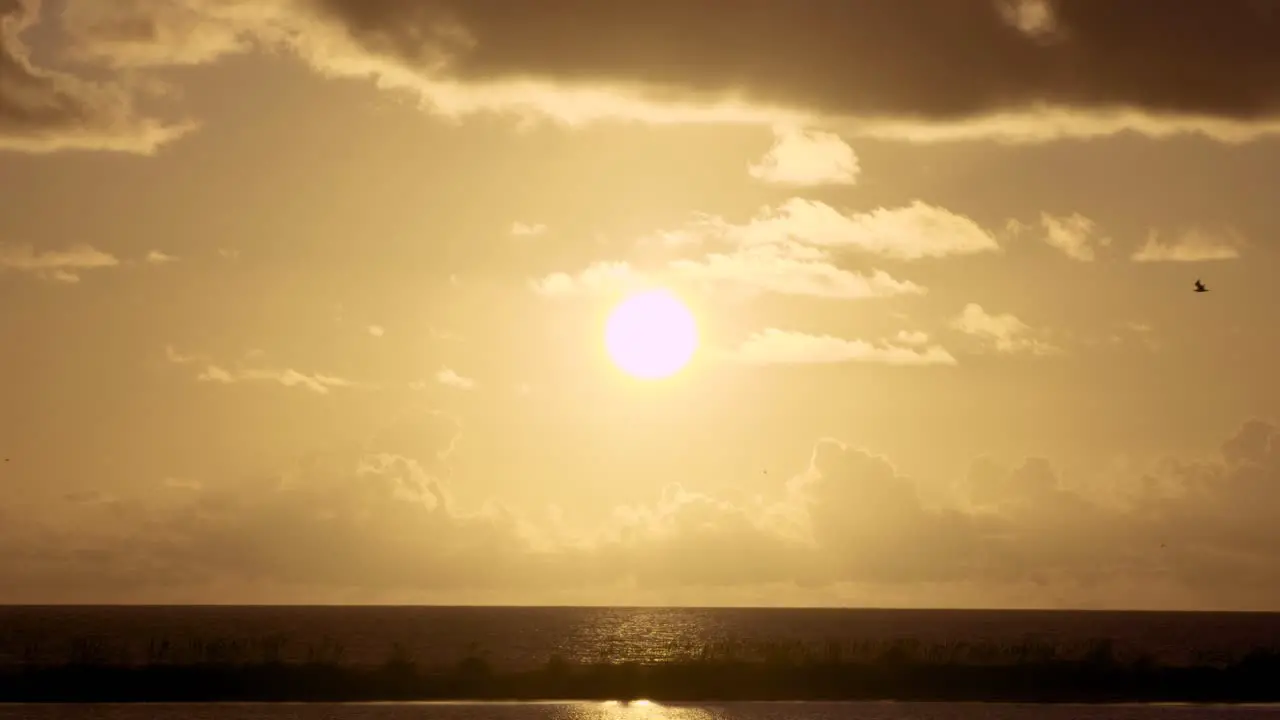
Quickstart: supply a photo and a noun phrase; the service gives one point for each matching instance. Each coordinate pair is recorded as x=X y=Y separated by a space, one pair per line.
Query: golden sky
x=306 y=301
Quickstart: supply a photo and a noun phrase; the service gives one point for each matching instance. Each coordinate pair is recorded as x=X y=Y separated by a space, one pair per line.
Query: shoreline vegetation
x=906 y=670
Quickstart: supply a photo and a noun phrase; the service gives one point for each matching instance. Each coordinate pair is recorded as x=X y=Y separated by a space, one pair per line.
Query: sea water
x=518 y=637
x=634 y=711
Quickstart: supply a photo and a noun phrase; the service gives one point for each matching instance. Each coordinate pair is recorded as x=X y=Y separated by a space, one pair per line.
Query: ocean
x=522 y=637
x=616 y=711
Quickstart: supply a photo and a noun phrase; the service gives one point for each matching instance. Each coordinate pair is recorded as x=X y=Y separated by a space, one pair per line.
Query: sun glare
x=651 y=335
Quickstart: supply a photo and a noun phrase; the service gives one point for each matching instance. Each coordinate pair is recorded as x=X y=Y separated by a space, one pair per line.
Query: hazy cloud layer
x=1198 y=532
x=380 y=516
x=909 y=69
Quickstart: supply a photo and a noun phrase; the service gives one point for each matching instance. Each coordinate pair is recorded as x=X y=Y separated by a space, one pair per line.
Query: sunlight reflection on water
x=635 y=710
x=513 y=638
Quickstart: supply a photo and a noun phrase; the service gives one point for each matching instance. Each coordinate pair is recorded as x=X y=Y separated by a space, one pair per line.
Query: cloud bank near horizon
x=1194 y=533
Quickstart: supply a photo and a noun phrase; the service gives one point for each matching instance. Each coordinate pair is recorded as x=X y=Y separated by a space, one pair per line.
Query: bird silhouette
x=1200 y=287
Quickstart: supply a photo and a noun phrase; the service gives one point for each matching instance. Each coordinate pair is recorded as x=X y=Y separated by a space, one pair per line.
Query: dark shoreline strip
x=1254 y=678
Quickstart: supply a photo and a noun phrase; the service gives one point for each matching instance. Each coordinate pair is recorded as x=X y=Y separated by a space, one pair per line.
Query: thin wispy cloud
x=1005 y=332
x=188 y=484
x=211 y=372
x=1035 y=18
x=60 y=265
x=520 y=229
x=182 y=33
x=912 y=337
x=1143 y=333
x=1191 y=246
x=791 y=250
x=595 y=278
x=1075 y=235
x=914 y=231
x=782 y=347
x=287 y=377
x=156 y=257
x=450 y=378
x=764 y=269
x=773 y=269
x=45 y=110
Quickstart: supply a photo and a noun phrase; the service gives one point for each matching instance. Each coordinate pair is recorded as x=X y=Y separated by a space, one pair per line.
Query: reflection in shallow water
x=634 y=710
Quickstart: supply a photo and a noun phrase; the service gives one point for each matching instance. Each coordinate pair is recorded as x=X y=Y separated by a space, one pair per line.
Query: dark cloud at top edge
x=923 y=59
x=43 y=110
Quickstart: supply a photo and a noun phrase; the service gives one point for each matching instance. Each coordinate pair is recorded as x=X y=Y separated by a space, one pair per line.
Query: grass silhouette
x=271 y=669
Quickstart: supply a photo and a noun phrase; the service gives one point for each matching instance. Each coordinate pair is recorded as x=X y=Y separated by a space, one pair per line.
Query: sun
x=651 y=335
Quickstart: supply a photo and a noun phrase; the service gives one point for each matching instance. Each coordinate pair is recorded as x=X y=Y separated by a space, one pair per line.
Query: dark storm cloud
x=927 y=59
x=916 y=70
x=44 y=110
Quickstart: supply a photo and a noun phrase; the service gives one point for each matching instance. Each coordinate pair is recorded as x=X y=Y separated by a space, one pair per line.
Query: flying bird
x=1200 y=287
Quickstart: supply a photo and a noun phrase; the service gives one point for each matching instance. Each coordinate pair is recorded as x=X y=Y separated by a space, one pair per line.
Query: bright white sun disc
x=651 y=335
